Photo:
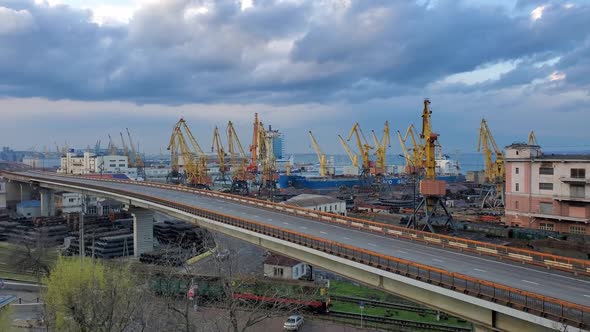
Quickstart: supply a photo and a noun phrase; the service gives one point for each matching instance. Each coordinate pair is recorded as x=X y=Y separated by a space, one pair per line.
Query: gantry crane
x=193 y=157
x=130 y=162
x=137 y=161
x=239 y=162
x=217 y=146
x=354 y=158
x=495 y=172
x=254 y=148
x=363 y=146
x=414 y=157
x=112 y=147
x=431 y=189
x=321 y=156
x=532 y=138
x=381 y=148
x=269 y=177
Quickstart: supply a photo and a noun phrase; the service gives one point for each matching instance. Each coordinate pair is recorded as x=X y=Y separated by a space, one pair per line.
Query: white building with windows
x=318 y=203
x=89 y=163
x=2 y=195
x=281 y=267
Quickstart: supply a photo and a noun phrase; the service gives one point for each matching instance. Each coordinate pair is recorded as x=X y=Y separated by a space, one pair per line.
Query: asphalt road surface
x=545 y=282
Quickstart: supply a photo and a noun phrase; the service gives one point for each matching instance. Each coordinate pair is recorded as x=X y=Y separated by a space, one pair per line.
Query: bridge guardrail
x=561 y=311
x=524 y=256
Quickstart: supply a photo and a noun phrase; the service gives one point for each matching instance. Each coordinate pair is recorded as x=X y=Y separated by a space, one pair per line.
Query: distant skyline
x=77 y=70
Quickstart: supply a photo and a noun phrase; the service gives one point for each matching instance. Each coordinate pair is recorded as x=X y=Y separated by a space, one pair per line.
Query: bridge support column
x=47 y=202
x=143 y=230
x=17 y=192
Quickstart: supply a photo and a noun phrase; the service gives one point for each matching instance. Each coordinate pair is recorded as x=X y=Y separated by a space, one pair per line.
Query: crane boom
x=532 y=138
x=354 y=159
x=254 y=148
x=495 y=170
x=382 y=146
x=320 y=154
x=126 y=151
x=363 y=145
x=217 y=146
x=138 y=161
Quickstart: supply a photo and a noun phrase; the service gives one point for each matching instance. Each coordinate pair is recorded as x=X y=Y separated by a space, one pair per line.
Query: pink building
x=547 y=191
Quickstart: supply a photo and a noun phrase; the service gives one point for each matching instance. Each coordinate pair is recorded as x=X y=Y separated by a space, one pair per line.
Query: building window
x=577 y=229
x=546 y=170
x=71 y=200
x=546 y=207
x=546 y=226
x=545 y=186
x=517 y=188
x=578 y=173
x=516 y=170
x=516 y=205
x=121 y=165
x=112 y=165
x=577 y=190
x=278 y=271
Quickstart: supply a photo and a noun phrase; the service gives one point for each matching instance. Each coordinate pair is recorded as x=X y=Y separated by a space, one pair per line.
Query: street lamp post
x=413 y=171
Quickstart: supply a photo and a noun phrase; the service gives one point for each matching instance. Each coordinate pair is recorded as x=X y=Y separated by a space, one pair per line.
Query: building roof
x=274 y=259
x=564 y=156
x=29 y=204
x=306 y=200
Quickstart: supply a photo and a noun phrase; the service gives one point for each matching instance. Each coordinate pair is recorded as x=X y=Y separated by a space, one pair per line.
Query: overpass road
x=563 y=286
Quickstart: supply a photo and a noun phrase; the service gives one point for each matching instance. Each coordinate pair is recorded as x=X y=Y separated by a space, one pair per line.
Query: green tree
x=85 y=295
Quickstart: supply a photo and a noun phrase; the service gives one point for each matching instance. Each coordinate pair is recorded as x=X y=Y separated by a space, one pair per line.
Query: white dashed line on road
x=530 y=282
x=480 y=270
x=437 y=260
x=346 y=238
x=323 y=232
x=372 y=244
x=403 y=252
x=285 y=223
x=302 y=227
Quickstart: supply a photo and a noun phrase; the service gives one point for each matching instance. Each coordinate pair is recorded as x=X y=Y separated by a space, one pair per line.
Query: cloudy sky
x=77 y=70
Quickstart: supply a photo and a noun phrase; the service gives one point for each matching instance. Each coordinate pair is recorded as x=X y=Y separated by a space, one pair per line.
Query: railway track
x=389 y=305
x=397 y=324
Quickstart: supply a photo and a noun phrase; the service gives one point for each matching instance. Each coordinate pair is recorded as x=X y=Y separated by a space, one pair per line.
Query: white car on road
x=293 y=323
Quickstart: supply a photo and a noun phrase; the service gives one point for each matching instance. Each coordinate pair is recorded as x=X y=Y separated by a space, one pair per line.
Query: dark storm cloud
x=175 y=52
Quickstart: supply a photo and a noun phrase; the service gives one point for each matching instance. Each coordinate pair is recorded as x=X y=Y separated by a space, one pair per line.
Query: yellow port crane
x=414 y=160
x=130 y=162
x=137 y=161
x=112 y=147
x=363 y=146
x=254 y=147
x=495 y=171
x=194 y=160
x=320 y=154
x=354 y=158
x=239 y=162
x=217 y=146
x=431 y=189
x=381 y=147
x=532 y=138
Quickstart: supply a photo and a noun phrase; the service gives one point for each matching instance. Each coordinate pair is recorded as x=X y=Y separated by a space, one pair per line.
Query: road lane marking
x=438 y=260
x=403 y=252
x=586 y=295
x=346 y=238
x=372 y=244
x=302 y=227
x=480 y=270
x=323 y=232
x=285 y=223
x=530 y=282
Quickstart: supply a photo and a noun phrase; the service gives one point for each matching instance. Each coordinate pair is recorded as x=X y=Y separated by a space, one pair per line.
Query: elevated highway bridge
x=496 y=287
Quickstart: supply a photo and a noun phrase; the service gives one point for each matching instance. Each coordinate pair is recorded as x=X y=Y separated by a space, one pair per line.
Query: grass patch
x=9 y=271
x=343 y=288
